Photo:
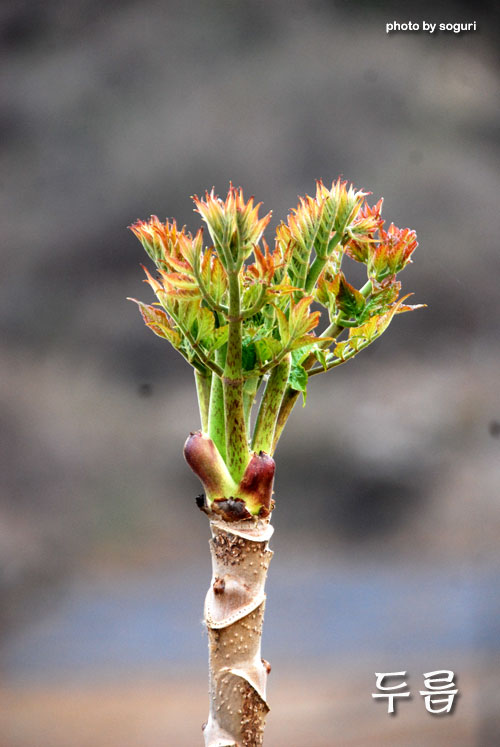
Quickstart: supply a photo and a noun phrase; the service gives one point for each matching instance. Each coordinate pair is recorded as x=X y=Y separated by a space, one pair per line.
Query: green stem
x=224 y=255
x=336 y=362
x=250 y=388
x=291 y=396
x=265 y=426
x=366 y=289
x=331 y=331
x=203 y=387
x=237 y=452
x=216 y=424
x=339 y=361
x=344 y=323
x=319 y=263
x=288 y=403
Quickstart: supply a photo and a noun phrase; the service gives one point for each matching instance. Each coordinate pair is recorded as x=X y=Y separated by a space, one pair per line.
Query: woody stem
x=234 y=611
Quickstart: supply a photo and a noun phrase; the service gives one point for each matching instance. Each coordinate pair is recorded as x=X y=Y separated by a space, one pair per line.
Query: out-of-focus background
x=387 y=519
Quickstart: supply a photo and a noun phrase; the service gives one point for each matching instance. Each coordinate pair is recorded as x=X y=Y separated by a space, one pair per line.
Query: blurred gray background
x=387 y=516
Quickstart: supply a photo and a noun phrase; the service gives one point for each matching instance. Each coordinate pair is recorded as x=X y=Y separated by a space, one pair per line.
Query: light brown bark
x=234 y=611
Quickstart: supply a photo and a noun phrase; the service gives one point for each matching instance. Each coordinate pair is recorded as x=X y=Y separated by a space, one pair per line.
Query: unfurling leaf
x=392 y=253
x=382 y=297
x=362 y=231
x=234 y=225
x=264 y=267
x=327 y=289
x=297 y=236
x=349 y=300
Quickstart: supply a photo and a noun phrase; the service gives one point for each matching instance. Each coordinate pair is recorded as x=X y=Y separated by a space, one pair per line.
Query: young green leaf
x=205 y=326
x=298 y=379
x=284 y=327
x=349 y=300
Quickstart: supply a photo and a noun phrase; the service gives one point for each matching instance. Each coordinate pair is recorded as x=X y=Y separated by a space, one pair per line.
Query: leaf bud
x=205 y=460
x=256 y=486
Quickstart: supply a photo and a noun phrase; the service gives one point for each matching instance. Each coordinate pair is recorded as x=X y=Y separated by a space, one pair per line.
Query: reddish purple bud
x=256 y=485
x=205 y=460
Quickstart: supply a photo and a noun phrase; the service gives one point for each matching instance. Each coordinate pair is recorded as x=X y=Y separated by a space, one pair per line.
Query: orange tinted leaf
x=281 y=289
x=304 y=340
x=218 y=279
x=392 y=253
x=155 y=285
x=179 y=265
x=327 y=288
x=301 y=320
x=401 y=309
x=263 y=268
x=180 y=284
x=158 y=322
x=191 y=250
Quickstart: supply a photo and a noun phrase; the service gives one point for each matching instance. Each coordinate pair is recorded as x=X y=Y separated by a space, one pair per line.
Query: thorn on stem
x=267 y=666
x=219 y=585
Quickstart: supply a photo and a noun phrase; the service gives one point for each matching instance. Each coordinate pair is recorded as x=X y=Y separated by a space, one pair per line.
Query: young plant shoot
x=246 y=318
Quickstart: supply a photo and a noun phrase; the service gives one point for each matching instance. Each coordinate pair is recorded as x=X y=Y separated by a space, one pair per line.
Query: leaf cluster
x=275 y=298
